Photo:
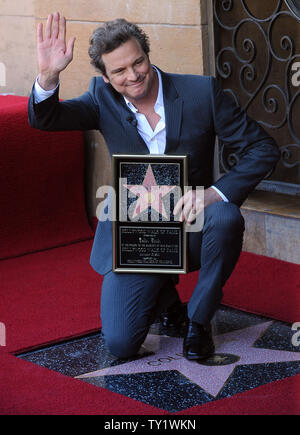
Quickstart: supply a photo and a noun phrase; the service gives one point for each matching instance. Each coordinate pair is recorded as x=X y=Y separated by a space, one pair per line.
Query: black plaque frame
x=167 y=250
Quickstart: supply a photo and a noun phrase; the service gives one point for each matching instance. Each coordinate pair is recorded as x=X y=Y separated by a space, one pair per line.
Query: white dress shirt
x=40 y=94
x=154 y=139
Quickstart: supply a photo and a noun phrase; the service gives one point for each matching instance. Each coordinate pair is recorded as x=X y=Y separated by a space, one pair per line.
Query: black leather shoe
x=198 y=342
x=175 y=316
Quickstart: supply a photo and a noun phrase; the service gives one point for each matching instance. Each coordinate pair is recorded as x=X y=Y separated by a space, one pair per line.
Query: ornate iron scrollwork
x=254 y=62
x=294 y=6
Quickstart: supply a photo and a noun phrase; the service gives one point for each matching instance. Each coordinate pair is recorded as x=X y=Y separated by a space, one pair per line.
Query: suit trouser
x=130 y=302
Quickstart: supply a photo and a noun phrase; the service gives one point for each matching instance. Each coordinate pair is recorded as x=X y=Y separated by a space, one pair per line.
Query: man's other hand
x=192 y=203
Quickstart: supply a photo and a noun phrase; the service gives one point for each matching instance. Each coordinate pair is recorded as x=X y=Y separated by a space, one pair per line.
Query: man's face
x=129 y=71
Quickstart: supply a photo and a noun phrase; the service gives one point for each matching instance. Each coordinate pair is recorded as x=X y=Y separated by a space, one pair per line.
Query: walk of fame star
x=149 y=194
x=232 y=349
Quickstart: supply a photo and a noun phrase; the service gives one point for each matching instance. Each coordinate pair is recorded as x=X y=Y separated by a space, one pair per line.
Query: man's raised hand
x=54 y=55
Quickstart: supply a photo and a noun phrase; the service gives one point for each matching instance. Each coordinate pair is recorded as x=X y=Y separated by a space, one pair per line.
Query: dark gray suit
x=196 y=110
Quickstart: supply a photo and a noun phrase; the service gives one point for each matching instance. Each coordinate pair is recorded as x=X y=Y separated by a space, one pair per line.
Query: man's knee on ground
x=122 y=346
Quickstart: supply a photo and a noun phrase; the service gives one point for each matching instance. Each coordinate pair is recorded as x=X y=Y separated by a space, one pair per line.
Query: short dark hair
x=110 y=36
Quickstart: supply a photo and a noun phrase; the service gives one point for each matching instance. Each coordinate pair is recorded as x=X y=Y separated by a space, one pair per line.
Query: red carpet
x=259 y=285
x=267 y=286
x=49 y=296
x=41 y=182
x=42 y=206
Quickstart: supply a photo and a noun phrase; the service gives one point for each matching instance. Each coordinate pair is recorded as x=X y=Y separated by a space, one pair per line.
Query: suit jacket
x=196 y=110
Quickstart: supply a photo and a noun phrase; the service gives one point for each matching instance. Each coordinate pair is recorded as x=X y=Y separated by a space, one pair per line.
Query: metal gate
x=257 y=59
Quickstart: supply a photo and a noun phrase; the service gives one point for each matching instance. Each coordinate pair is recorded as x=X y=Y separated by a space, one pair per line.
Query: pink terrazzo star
x=168 y=356
x=149 y=194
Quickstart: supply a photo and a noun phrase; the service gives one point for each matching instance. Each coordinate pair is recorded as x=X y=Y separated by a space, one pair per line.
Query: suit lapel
x=173 y=113
x=136 y=144
x=133 y=142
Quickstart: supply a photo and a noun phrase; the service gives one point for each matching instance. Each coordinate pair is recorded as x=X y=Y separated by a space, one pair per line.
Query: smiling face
x=129 y=71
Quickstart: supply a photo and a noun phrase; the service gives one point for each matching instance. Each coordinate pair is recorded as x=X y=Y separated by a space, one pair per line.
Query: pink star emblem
x=149 y=194
x=167 y=355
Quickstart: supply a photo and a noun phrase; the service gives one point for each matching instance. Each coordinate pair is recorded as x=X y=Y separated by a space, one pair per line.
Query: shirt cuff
x=40 y=94
x=220 y=193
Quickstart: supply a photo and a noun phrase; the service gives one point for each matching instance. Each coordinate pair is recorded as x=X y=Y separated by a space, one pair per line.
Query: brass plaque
x=147 y=237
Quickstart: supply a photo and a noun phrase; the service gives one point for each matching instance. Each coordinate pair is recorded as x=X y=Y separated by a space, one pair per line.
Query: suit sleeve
x=80 y=113
x=256 y=151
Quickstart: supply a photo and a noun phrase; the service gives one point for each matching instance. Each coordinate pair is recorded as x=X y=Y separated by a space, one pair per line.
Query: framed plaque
x=147 y=237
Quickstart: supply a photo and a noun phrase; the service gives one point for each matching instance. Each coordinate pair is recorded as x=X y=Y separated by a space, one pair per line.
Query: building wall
x=17 y=46
x=177 y=31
